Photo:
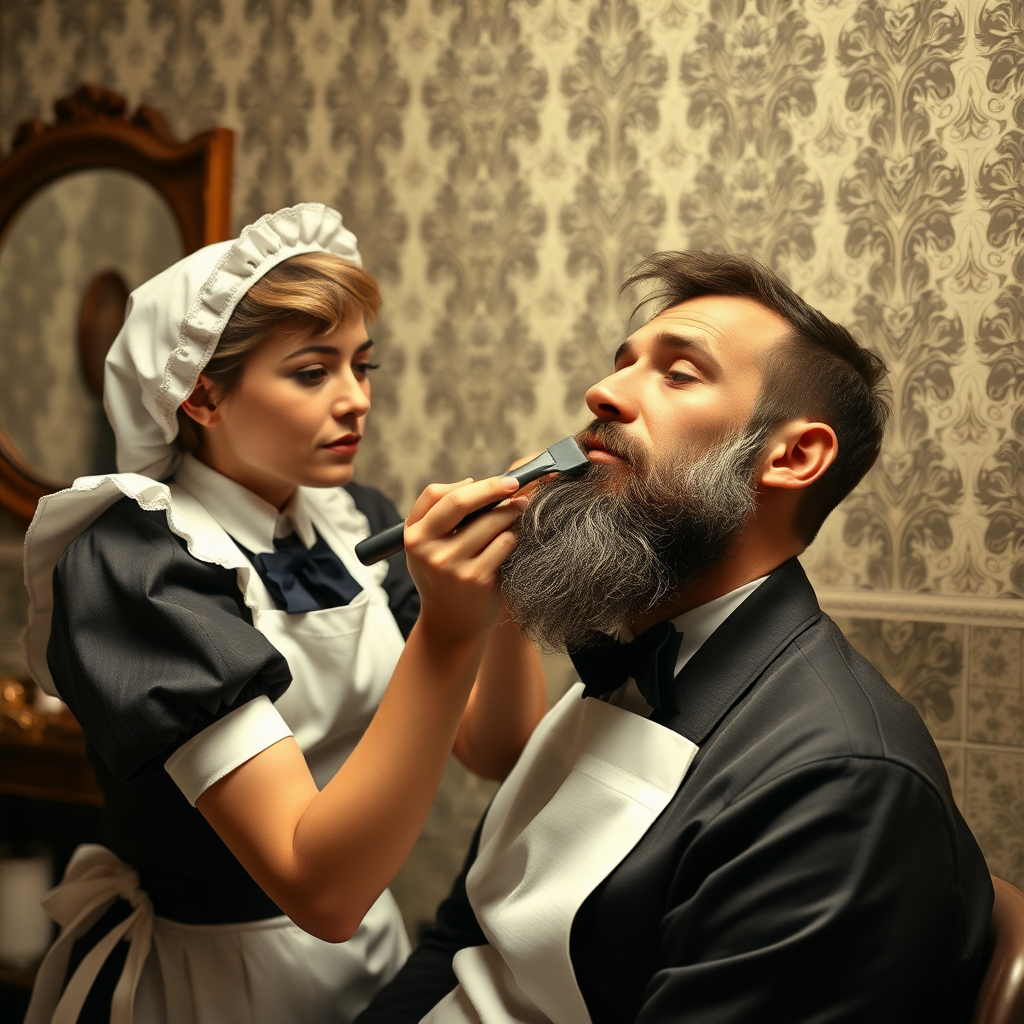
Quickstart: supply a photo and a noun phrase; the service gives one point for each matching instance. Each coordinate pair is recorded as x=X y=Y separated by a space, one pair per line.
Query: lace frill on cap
x=175 y=320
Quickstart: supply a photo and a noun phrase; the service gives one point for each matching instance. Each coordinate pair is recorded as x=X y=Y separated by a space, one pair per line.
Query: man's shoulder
x=779 y=689
x=818 y=708
x=833 y=693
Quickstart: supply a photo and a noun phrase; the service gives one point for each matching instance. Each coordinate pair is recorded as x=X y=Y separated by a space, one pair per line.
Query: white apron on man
x=591 y=781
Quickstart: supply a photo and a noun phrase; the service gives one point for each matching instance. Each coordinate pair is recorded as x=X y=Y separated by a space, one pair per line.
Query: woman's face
x=296 y=415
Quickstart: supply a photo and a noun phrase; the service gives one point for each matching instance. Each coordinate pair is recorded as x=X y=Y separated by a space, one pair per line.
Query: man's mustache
x=611 y=436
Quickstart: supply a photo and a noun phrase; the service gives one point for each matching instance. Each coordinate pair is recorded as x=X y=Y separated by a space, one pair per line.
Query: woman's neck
x=271 y=489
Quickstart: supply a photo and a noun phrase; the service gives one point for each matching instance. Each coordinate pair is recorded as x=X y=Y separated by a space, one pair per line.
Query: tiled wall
x=991 y=772
x=967 y=682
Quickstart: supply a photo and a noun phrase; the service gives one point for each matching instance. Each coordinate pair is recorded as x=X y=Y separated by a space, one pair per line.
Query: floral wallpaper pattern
x=504 y=163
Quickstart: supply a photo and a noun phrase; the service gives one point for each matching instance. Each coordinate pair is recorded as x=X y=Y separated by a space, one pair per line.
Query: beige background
x=504 y=163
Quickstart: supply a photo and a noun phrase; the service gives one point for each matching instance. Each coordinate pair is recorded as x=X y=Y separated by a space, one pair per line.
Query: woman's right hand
x=456 y=570
x=324 y=856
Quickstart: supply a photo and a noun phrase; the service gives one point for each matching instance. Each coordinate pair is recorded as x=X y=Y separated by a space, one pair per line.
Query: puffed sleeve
x=149 y=646
x=403 y=597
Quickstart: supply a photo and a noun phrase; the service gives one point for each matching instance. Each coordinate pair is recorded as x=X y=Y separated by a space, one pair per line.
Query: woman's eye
x=311 y=375
x=365 y=367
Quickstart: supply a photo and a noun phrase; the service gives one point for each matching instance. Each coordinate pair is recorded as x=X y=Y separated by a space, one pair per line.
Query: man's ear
x=799 y=454
x=202 y=404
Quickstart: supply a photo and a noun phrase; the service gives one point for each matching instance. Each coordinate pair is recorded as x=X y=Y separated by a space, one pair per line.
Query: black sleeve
x=403 y=598
x=427 y=976
x=810 y=888
x=148 y=644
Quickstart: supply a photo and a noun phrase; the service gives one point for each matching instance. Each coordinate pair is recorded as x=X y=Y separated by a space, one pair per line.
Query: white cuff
x=223 y=746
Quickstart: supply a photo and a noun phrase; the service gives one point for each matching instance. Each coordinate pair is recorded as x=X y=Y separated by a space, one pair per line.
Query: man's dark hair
x=819 y=372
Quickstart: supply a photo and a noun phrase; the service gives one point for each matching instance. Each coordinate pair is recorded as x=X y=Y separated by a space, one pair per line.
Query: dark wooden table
x=50 y=767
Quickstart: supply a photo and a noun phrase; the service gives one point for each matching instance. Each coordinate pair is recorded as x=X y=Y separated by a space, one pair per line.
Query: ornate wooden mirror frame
x=91 y=130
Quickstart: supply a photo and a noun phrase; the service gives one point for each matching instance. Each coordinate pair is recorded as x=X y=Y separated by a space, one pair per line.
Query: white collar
x=696 y=625
x=246 y=517
x=699 y=623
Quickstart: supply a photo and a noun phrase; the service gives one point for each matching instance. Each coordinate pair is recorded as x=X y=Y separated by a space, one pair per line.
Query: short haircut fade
x=819 y=372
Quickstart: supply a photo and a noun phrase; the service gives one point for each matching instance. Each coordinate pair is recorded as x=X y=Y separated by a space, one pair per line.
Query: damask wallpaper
x=504 y=163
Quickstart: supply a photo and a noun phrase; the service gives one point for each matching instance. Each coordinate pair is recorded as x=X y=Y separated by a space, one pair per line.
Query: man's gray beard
x=598 y=550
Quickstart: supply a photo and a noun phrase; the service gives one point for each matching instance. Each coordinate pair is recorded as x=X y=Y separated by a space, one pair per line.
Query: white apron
x=591 y=781
x=260 y=972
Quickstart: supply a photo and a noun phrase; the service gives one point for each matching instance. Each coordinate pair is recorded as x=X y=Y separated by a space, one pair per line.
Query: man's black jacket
x=811 y=867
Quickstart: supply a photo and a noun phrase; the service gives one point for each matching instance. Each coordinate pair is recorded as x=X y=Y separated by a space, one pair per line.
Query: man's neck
x=739 y=567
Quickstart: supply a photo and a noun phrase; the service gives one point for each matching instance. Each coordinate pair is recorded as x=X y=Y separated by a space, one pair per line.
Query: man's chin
x=601 y=550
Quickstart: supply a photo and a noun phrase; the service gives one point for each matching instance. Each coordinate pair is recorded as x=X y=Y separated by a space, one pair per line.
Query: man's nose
x=609 y=400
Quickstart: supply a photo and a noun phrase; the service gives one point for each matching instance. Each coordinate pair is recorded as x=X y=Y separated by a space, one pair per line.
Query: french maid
x=267 y=750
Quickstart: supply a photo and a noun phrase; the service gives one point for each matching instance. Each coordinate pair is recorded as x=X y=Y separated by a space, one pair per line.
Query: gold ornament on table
x=16 y=714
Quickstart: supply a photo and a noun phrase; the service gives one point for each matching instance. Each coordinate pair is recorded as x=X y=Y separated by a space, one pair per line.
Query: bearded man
x=740 y=821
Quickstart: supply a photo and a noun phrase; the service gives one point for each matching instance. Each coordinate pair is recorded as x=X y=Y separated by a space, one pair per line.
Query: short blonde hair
x=312 y=294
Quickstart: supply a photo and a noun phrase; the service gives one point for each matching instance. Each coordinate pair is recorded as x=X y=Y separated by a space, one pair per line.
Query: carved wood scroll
x=91 y=129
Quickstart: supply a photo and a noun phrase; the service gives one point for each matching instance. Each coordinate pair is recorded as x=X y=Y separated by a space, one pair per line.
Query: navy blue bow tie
x=302 y=579
x=650 y=660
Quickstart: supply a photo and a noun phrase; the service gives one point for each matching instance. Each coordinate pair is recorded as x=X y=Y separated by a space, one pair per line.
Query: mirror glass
x=67 y=262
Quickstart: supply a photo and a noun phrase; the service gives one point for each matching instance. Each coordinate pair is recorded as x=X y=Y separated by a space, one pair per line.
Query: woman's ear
x=799 y=454
x=202 y=404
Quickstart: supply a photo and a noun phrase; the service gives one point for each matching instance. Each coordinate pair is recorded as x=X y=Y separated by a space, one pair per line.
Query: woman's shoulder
x=124 y=526
x=127 y=548
x=149 y=645
x=378 y=508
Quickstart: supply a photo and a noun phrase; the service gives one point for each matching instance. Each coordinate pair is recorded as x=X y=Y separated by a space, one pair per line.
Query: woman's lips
x=347 y=445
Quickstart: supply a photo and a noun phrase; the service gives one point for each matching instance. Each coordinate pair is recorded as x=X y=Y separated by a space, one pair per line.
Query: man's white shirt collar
x=699 y=623
x=696 y=625
x=251 y=521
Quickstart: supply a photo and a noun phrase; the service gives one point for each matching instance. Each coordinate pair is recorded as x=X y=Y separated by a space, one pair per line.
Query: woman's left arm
x=508 y=699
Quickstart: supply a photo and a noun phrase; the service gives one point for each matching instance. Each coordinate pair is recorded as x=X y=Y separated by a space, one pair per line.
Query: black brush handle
x=381 y=545
x=390 y=541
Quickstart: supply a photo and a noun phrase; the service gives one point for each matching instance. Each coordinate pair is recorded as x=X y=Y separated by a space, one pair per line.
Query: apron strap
x=95 y=877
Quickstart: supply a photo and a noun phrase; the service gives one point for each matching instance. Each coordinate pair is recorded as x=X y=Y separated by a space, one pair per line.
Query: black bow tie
x=302 y=579
x=650 y=660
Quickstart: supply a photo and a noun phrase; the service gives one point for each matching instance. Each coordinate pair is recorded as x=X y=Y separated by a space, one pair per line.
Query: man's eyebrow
x=684 y=343
x=690 y=343
x=327 y=350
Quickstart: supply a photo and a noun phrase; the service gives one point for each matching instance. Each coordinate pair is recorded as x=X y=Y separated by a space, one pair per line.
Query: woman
x=226 y=653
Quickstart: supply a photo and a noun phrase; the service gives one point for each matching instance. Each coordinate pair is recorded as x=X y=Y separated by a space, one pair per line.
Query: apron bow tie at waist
x=94 y=879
